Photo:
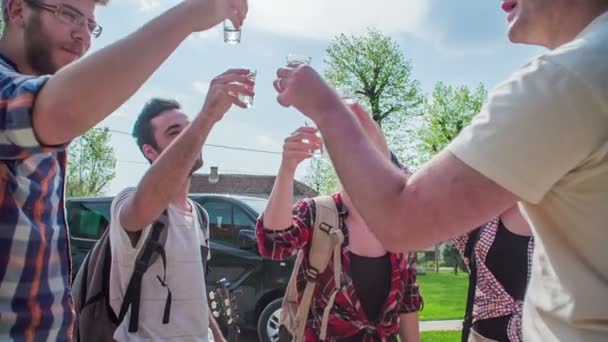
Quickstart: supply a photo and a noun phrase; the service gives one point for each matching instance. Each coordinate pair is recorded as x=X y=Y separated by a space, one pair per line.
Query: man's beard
x=38 y=48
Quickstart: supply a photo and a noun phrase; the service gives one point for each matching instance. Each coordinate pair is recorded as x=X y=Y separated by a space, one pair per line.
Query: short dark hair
x=142 y=130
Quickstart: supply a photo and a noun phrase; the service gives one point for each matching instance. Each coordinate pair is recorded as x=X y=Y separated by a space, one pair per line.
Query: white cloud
x=322 y=19
x=121 y=113
x=213 y=33
x=201 y=87
x=267 y=142
x=441 y=22
x=448 y=26
x=149 y=5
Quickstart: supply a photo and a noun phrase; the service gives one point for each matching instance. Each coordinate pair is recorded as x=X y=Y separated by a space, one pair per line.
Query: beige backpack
x=327 y=240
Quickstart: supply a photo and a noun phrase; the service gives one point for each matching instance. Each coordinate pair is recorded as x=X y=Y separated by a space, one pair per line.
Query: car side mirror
x=247 y=239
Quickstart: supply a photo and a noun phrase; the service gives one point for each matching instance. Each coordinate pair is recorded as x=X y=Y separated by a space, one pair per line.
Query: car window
x=242 y=220
x=88 y=220
x=220 y=213
x=257 y=204
x=226 y=219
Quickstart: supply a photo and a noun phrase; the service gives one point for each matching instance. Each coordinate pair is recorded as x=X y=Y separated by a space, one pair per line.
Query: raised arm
x=83 y=93
x=444 y=199
x=278 y=214
x=168 y=174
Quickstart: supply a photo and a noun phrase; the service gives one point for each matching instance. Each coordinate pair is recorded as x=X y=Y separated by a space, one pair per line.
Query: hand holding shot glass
x=248 y=100
x=245 y=98
x=318 y=152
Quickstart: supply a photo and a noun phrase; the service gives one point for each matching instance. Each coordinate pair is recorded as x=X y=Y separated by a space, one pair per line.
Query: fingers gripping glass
x=318 y=153
x=69 y=16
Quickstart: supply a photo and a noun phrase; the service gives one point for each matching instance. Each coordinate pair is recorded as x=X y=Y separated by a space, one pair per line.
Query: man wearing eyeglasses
x=49 y=95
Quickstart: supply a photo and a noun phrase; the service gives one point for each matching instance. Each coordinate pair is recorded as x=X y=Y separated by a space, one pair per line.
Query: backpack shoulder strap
x=326 y=235
x=152 y=248
x=326 y=241
x=203 y=219
x=469 y=253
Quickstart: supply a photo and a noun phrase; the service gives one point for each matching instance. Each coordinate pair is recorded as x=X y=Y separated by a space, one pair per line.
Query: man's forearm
x=167 y=175
x=82 y=94
x=444 y=199
x=370 y=179
x=277 y=215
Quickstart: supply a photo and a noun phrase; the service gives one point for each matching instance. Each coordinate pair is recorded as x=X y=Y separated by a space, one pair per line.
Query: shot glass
x=318 y=153
x=232 y=34
x=248 y=100
x=297 y=59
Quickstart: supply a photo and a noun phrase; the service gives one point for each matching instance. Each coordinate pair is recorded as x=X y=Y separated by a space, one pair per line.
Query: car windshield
x=257 y=204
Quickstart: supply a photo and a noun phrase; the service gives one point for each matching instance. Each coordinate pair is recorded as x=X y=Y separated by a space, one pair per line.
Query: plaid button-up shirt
x=35 y=302
x=347 y=317
x=492 y=300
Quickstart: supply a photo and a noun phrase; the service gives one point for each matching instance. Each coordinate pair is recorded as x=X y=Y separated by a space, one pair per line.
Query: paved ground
x=441 y=325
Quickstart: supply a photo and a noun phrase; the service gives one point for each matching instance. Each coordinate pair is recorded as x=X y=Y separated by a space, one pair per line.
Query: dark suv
x=233 y=248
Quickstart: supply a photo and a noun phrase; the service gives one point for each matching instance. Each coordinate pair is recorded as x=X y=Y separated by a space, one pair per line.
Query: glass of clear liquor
x=297 y=59
x=248 y=100
x=232 y=34
x=318 y=153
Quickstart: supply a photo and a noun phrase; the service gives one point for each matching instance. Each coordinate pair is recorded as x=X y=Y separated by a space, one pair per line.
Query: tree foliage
x=91 y=164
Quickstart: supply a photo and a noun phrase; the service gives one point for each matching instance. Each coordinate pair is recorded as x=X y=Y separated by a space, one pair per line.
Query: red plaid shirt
x=347 y=317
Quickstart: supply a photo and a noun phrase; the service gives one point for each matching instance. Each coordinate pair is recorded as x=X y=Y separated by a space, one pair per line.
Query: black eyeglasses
x=69 y=16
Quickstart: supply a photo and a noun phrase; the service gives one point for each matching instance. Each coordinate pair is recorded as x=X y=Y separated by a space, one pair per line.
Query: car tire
x=268 y=323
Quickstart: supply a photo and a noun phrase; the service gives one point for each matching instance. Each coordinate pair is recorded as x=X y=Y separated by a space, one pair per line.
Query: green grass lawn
x=440 y=336
x=444 y=295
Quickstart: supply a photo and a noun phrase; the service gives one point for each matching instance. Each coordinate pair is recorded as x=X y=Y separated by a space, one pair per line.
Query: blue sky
x=456 y=42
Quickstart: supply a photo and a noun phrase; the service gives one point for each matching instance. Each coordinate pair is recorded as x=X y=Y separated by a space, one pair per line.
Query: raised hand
x=224 y=91
x=205 y=14
x=303 y=88
x=300 y=146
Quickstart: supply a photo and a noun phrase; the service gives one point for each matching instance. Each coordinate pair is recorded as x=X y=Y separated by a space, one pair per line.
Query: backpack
x=95 y=319
x=326 y=242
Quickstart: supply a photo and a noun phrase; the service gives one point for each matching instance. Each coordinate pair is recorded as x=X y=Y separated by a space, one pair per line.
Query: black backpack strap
x=203 y=220
x=469 y=253
x=152 y=247
x=163 y=281
x=105 y=284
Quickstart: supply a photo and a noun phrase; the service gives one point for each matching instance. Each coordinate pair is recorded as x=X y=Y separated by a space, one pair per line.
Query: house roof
x=244 y=185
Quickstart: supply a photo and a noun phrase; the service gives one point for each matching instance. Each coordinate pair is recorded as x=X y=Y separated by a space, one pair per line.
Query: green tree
x=447 y=112
x=451 y=256
x=374 y=69
x=321 y=176
x=91 y=164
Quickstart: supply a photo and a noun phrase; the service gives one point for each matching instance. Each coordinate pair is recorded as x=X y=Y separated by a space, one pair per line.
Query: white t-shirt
x=543 y=135
x=189 y=320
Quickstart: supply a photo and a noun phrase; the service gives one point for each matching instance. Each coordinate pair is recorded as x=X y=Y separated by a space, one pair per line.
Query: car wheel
x=268 y=324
